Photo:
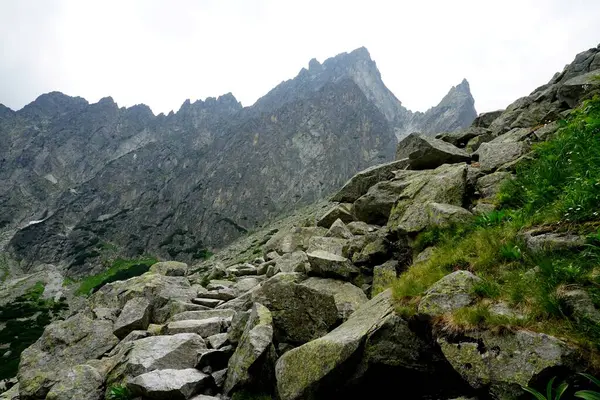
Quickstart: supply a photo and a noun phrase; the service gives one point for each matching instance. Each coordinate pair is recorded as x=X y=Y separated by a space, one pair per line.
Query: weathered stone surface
x=301 y=371
x=205 y=397
x=339 y=230
x=342 y=211
x=170 y=268
x=254 y=343
x=328 y=244
x=424 y=256
x=446 y=184
x=210 y=303
x=81 y=382
x=299 y=313
x=292 y=240
x=484 y=120
x=242 y=270
x=348 y=298
x=370 y=249
x=63 y=344
x=427 y=153
x=244 y=284
x=202 y=314
x=169 y=384
x=384 y=276
x=238 y=324
x=581 y=306
x=329 y=265
x=450 y=293
x=446 y=214
x=375 y=206
x=219 y=377
x=178 y=351
x=461 y=138
x=361 y=228
x=225 y=294
x=109 y=314
x=494 y=155
x=505 y=361
x=134 y=316
x=360 y=183
x=538 y=241
x=11 y=394
x=490 y=185
x=218 y=340
x=175 y=307
x=293 y=262
x=205 y=327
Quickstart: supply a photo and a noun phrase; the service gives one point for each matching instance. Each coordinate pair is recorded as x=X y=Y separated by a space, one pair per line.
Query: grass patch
x=559 y=188
x=248 y=395
x=120 y=269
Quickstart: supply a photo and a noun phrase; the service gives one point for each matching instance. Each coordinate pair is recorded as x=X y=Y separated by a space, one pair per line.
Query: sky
x=162 y=52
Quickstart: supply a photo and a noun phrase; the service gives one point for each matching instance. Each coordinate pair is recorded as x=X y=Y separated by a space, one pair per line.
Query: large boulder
x=427 y=153
x=248 y=365
x=329 y=265
x=63 y=344
x=450 y=293
x=303 y=371
x=170 y=268
x=494 y=155
x=341 y=211
x=505 y=361
x=489 y=186
x=169 y=384
x=445 y=184
x=370 y=249
x=293 y=262
x=339 y=230
x=134 y=316
x=288 y=241
x=348 y=298
x=384 y=276
x=300 y=313
x=580 y=306
x=443 y=215
x=204 y=327
x=541 y=241
x=360 y=183
x=81 y=382
x=461 y=138
x=329 y=244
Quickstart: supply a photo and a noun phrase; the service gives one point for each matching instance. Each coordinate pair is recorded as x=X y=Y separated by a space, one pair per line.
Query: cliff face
x=86 y=179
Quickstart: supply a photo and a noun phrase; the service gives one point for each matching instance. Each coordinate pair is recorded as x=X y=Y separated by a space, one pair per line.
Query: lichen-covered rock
x=293 y=262
x=288 y=241
x=11 y=394
x=450 y=293
x=63 y=344
x=384 y=276
x=247 y=283
x=539 y=241
x=339 y=230
x=202 y=314
x=299 y=313
x=427 y=153
x=242 y=270
x=489 y=185
x=204 y=327
x=174 y=307
x=218 y=340
x=369 y=249
x=443 y=215
x=581 y=306
x=81 y=382
x=210 y=303
x=328 y=265
x=170 y=268
x=360 y=183
x=493 y=155
x=505 y=361
x=134 y=316
x=167 y=384
x=178 y=351
x=361 y=228
x=348 y=298
x=375 y=206
x=301 y=372
x=342 y=211
x=329 y=244
x=238 y=324
x=254 y=343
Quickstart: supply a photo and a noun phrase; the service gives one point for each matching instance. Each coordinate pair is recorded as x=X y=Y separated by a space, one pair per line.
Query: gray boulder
x=134 y=316
x=427 y=153
x=581 y=306
x=348 y=298
x=339 y=230
x=494 y=155
x=461 y=138
x=169 y=384
x=205 y=327
x=293 y=262
x=329 y=265
x=288 y=241
x=218 y=340
x=360 y=183
x=170 y=268
x=540 y=241
x=450 y=293
x=383 y=276
x=256 y=340
x=375 y=206
x=443 y=215
x=202 y=314
x=489 y=185
x=361 y=228
x=210 y=303
x=81 y=382
x=342 y=211
x=329 y=244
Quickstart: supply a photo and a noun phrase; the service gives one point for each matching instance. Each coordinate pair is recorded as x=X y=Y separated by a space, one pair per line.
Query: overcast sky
x=161 y=52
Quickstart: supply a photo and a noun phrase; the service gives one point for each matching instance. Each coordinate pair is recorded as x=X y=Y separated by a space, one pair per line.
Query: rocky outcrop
x=427 y=153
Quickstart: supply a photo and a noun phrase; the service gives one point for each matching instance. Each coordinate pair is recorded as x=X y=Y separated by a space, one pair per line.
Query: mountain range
x=85 y=181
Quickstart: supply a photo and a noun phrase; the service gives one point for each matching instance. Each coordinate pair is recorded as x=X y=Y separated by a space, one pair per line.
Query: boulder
x=360 y=183
x=461 y=138
x=375 y=206
x=539 y=241
x=63 y=344
x=244 y=284
x=11 y=394
x=169 y=384
x=219 y=378
x=339 y=230
x=489 y=185
x=505 y=362
x=329 y=265
x=384 y=276
x=205 y=327
x=370 y=249
x=179 y=351
x=134 y=316
x=361 y=228
x=293 y=262
x=424 y=256
x=328 y=244
x=218 y=340
x=205 y=397
x=581 y=306
x=303 y=371
x=443 y=215
x=132 y=337
x=450 y=293
x=81 y=382
x=242 y=270
x=348 y=298
x=299 y=313
x=174 y=307
x=342 y=211
x=484 y=120
x=428 y=153
x=244 y=366
x=238 y=324
x=225 y=294
x=109 y=314
x=288 y=241
x=170 y=268
x=202 y=314
x=494 y=155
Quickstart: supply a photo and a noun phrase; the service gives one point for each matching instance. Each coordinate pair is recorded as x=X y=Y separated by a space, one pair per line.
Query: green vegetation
x=248 y=395
x=589 y=394
x=558 y=190
x=118 y=392
x=119 y=270
x=25 y=319
x=551 y=393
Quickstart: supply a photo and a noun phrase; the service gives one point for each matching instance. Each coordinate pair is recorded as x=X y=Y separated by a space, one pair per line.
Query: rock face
x=119 y=178
x=450 y=293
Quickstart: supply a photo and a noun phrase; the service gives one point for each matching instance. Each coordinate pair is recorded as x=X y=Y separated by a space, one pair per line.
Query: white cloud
x=162 y=52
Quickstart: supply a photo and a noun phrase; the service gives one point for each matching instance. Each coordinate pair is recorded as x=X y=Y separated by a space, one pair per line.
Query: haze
x=163 y=52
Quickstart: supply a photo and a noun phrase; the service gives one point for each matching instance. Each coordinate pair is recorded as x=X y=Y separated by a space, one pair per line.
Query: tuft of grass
x=120 y=269
x=118 y=392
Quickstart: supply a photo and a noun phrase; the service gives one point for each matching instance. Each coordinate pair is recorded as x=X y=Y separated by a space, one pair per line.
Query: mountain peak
x=52 y=104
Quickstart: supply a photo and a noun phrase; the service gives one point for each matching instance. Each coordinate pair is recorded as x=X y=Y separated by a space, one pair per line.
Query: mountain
x=86 y=182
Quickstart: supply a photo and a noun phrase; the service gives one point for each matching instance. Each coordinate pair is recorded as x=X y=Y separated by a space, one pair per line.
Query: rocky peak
x=53 y=104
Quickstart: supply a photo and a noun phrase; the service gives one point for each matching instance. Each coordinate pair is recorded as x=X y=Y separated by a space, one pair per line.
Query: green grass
x=248 y=395
x=119 y=270
x=559 y=189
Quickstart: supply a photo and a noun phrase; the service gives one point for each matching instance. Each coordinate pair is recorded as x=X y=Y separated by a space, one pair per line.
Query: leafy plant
x=589 y=394
x=551 y=394
x=118 y=392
